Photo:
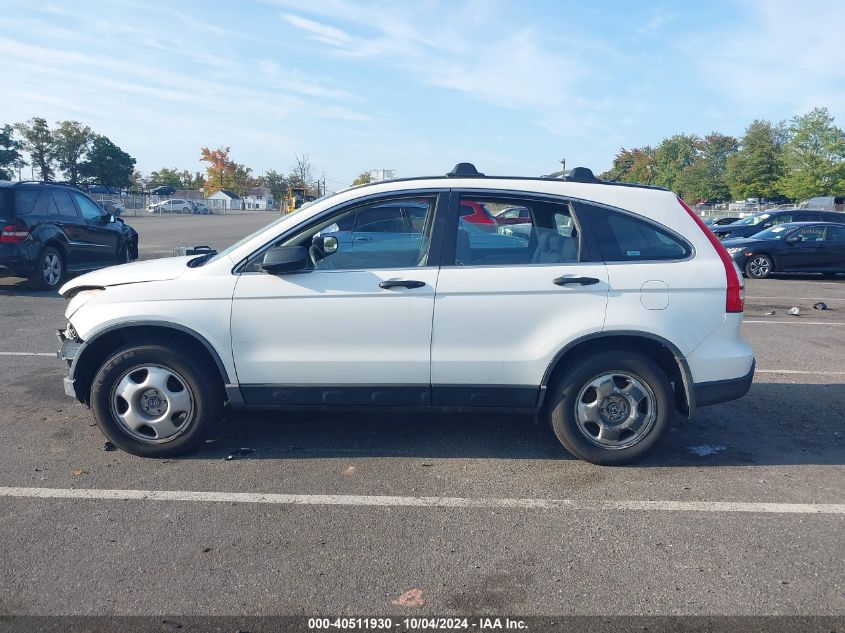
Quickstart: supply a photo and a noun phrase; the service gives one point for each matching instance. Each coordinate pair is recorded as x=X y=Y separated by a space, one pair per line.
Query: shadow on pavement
x=775 y=424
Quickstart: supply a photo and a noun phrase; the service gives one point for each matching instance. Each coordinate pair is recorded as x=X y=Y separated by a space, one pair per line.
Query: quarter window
x=835 y=234
x=623 y=238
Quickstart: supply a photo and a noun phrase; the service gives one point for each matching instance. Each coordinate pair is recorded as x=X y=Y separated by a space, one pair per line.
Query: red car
x=477 y=213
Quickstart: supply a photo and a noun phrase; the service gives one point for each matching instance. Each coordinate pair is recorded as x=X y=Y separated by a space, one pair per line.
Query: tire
x=629 y=374
x=759 y=266
x=156 y=380
x=124 y=257
x=49 y=270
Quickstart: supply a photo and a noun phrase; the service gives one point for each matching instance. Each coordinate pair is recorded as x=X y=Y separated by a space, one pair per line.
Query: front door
x=356 y=328
x=807 y=253
x=102 y=234
x=508 y=301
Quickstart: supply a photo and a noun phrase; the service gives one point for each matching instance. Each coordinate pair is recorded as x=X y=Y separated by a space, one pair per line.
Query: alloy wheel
x=615 y=410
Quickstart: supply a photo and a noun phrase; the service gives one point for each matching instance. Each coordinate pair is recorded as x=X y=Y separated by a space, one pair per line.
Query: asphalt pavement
x=740 y=512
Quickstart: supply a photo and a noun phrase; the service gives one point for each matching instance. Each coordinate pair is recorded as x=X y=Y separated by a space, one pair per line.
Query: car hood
x=137 y=272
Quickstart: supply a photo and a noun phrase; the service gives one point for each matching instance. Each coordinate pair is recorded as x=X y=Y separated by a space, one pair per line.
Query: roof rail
x=59 y=183
x=464 y=170
x=576 y=174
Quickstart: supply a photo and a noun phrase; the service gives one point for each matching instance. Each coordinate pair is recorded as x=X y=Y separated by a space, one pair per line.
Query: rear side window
x=7 y=198
x=26 y=200
x=624 y=238
x=64 y=204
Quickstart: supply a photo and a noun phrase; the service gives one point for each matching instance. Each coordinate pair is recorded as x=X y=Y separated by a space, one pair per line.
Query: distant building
x=259 y=198
x=380 y=175
x=225 y=199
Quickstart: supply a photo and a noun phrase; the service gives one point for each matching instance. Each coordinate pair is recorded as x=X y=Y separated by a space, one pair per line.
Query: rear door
x=835 y=247
x=103 y=235
x=506 y=304
x=81 y=244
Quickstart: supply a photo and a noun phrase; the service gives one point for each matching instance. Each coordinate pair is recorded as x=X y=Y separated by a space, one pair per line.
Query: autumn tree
x=363 y=178
x=224 y=173
x=632 y=165
x=813 y=156
x=277 y=184
x=38 y=143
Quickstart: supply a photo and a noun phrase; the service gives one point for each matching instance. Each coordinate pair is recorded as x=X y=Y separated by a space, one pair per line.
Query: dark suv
x=746 y=227
x=49 y=230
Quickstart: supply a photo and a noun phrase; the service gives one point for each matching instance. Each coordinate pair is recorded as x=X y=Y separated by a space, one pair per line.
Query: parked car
x=174 y=205
x=607 y=354
x=809 y=247
x=101 y=189
x=50 y=230
x=110 y=206
x=720 y=221
x=746 y=227
x=513 y=215
x=164 y=190
x=200 y=208
x=476 y=213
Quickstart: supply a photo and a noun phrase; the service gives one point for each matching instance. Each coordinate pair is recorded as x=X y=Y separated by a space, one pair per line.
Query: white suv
x=610 y=310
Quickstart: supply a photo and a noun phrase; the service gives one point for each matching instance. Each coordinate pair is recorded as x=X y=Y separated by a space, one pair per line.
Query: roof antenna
x=465 y=170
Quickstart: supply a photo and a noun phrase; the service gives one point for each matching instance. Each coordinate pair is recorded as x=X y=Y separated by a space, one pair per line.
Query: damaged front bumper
x=70 y=345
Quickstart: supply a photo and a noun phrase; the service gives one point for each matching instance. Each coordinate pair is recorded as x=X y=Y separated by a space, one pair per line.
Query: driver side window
x=385 y=234
x=89 y=210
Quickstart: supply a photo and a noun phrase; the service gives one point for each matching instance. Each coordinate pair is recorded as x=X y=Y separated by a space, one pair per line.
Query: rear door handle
x=401 y=283
x=363 y=239
x=581 y=281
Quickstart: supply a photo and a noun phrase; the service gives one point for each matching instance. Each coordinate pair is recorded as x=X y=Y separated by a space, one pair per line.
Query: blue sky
x=415 y=86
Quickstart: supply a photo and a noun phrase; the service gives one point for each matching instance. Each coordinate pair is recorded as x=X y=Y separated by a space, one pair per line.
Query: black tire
x=124 y=257
x=759 y=266
x=203 y=385
x=40 y=279
x=562 y=405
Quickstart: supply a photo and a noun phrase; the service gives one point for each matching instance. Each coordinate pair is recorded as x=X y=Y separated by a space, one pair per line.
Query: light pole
x=562 y=162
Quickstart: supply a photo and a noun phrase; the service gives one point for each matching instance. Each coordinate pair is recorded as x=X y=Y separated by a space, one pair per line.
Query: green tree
x=10 y=156
x=705 y=178
x=814 y=157
x=192 y=181
x=165 y=177
x=107 y=164
x=756 y=169
x=38 y=143
x=71 y=141
x=362 y=179
x=278 y=185
x=672 y=158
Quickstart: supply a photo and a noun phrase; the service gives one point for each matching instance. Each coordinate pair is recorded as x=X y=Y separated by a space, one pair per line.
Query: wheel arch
x=93 y=352
x=665 y=353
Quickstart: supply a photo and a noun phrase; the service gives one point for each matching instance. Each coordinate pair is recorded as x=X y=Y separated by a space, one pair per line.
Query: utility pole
x=562 y=162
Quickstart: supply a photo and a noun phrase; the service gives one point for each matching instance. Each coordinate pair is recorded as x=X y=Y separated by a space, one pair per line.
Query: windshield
x=754 y=220
x=775 y=233
x=237 y=244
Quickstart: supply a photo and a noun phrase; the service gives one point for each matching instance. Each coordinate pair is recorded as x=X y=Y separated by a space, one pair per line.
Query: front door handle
x=401 y=283
x=581 y=281
x=363 y=239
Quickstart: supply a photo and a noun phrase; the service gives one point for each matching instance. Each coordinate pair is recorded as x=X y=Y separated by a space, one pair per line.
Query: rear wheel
x=613 y=408
x=759 y=266
x=49 y=270
x=155 y=401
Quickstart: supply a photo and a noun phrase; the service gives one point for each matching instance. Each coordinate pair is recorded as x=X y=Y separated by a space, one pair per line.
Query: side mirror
x=111 y=219
x=286 y=259
x=326 y=244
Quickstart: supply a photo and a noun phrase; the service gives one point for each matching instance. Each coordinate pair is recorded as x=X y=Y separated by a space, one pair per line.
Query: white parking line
x=53 y=354
x=796 y=321
x=799 y=371
x=749 y=298
x=423 y=502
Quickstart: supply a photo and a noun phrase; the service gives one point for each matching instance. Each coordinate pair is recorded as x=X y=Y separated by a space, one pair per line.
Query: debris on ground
x=706 y=449
x=108 y=446
x=241 y=452
x=769 y=313
x=821 y=305
x=78 y=472
x=350 y=471
x=795 y=311
x=206 y=550
x=411 y=598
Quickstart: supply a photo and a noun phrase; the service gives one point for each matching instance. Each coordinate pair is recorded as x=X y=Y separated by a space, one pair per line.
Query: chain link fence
x=181 y=202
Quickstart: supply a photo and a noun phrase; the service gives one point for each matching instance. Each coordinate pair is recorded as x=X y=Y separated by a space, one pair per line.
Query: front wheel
x=155 y=401
x=613 y=408
x=759 y=266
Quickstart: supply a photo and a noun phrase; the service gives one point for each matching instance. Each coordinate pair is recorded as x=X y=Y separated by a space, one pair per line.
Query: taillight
x=735 y=296
x=12 y=234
